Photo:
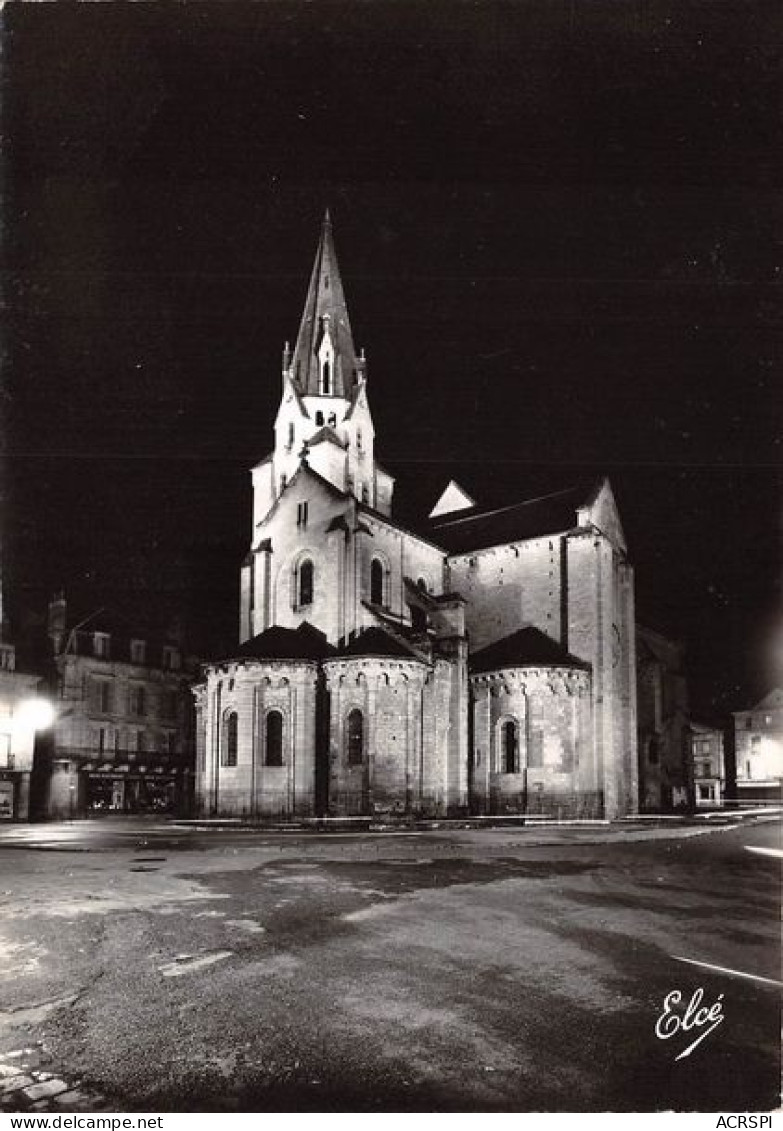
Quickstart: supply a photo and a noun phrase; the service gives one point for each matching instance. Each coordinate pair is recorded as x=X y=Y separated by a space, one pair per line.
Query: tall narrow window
x=509 y=739
x=301 y=514
x=291 y=434
x=355 y=738
x=327 y=379
x=418 y=618
x=274 y=739
x=319 y=419
x=376 y=582
x=305 y=589
x=230 y=739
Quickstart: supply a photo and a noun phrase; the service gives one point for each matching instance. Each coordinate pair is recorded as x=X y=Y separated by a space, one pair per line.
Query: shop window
x=304 y=595
x=230 y=739
x=355 y=738
x=510 y=747
x=274 y=739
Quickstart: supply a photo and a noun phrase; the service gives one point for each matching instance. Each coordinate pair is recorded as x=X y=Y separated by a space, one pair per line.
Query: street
x=150 y=966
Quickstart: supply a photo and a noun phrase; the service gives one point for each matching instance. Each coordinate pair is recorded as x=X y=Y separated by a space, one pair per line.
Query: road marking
x=187 y=963
x=726 y=970
x=776 y=852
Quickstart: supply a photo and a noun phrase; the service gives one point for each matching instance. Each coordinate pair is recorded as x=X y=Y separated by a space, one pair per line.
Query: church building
x=483 y=664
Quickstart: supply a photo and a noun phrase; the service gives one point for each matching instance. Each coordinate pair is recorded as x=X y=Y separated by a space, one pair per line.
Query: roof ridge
x=508 y=507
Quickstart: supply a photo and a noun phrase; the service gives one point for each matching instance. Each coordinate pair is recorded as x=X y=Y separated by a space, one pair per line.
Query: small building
x=709 y=769
x=17 y=736
x=758 y=745
x=665 y=770
x=122 y=736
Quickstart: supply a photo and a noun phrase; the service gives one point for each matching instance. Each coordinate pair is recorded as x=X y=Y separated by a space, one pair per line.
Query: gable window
x=510 y=747
x=422 y=584
x=365 y=494
x=376 y=582
x=332 y=420
x=319 y=419
x=230 y=739
x=359 y=438
x=291 y=434
x=274 y=739
x=304 y=595
x=283 y=481
x=301 y=514
x=355 y=738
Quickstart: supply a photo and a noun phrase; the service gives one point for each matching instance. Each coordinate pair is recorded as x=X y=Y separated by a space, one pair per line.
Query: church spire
x=324 y=361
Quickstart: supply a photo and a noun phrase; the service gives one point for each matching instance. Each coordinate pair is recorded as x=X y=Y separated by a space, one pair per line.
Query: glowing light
x=34 y=714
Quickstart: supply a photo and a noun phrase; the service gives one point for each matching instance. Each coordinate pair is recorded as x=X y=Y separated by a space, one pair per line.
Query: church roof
x=533 y=518
x=277 y=643
x=525 y=648
x=377 y=642
x=324 y=435
x=325 y=305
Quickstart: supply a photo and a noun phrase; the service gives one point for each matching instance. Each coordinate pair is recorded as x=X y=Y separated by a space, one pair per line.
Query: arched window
x=305 y=584
x=230 y=739
x=319 y=419
x=376 y=582
x=274 y=739
x=355 y=738
x=422 y=584
x=326 y=379
x=510 y=747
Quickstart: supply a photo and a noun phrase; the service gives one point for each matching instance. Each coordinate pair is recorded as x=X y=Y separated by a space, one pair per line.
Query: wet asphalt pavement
x=146 y=966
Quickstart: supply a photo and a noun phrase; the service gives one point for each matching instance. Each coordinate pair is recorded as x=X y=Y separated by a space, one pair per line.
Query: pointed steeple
x=324 y=361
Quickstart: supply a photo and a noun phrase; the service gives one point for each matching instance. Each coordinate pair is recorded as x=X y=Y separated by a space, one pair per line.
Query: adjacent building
x=758 y=745
x=122 y=738
x=18 y=721
x=665 y=767
x=709 y=768
x=483 y=662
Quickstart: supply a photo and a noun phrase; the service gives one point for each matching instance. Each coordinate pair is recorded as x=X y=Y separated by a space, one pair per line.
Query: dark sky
x=556 y=224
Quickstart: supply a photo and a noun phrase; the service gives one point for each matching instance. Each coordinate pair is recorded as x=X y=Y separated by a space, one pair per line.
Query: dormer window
x=101 y=645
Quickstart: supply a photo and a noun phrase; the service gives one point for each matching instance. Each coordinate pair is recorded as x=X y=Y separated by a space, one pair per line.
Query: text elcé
x=695 y=1017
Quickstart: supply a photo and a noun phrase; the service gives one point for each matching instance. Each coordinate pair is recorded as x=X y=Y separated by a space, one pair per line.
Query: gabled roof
x=525 y=648
x=278 y=643
x=452 y=498
x=377 y=642
x=533 y=518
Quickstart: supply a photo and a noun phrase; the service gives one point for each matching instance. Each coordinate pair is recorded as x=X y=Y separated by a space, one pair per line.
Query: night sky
x=555 y=222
